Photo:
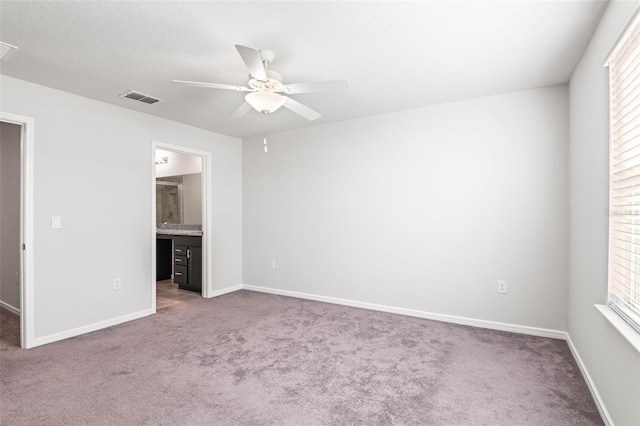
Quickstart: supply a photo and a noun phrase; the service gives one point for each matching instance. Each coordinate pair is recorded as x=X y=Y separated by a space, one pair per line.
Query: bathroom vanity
x=180 y=255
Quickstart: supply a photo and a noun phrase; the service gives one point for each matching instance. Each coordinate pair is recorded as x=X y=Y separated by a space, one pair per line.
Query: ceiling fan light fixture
x=264 y=102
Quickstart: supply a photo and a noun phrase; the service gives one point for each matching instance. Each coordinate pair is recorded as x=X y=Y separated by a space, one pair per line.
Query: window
x=624 y=177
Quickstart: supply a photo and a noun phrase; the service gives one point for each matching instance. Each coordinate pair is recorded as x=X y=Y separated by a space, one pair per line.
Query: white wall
x=178 y=164
x=10 y=215
x=423 y=209
x=611 y=361
x=192 y=198
x=92 y=167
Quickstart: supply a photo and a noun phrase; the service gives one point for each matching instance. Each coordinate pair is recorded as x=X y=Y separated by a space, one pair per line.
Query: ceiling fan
x=265 y=86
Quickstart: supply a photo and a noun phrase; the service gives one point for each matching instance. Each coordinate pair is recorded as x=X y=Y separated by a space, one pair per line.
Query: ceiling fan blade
x=300 y=109
x=317 y=86
x=244 y=108
x=253 y=61
x=214 y=85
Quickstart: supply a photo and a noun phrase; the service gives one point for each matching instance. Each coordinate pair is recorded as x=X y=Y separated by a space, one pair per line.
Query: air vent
x=137 y=96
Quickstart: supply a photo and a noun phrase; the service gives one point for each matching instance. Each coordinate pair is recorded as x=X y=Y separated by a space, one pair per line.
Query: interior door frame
x=26 y=226
x=207 y=228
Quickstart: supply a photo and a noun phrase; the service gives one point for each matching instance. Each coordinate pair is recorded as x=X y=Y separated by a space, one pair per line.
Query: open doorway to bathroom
x=180 y=217
x=16 y=230
x=10 y=165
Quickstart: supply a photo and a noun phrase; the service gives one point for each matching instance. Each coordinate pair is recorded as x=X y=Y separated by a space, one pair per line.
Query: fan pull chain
x=264 y=140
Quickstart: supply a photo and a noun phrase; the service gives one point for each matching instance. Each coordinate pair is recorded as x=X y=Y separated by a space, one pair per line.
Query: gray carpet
x=255 y=359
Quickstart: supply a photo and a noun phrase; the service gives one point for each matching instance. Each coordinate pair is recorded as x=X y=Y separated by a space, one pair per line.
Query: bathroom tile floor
x=168 y=293
x=9 y=329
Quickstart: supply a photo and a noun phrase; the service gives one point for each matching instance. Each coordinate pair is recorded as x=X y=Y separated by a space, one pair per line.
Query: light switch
x=56 y=222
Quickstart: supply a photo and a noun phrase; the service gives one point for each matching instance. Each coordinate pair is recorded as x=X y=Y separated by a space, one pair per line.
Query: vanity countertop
x=176 y=229
x=189 y=232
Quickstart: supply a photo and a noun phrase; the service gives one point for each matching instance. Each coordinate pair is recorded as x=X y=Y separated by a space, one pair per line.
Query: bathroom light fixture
x=162 y=160
x=265 y=102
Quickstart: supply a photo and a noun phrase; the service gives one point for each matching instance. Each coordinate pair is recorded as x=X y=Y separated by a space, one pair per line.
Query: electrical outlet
x=117 y=283
x=56 y=222
x=272 y=264
x=502 y=287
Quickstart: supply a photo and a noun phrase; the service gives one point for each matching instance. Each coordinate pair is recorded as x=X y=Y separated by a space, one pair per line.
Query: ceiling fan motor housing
x=273 y=83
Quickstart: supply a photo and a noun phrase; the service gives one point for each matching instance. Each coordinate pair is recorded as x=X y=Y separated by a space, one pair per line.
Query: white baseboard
x=89 y=328
x=111 y=322
x=226 y=290
x=533 y=331
x=602 y=409
x=10 y=308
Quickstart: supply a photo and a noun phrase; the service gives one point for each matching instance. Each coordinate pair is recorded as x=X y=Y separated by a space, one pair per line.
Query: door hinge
x=24 y=247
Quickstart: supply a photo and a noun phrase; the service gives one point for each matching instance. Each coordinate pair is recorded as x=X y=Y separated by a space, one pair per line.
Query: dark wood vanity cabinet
x=164 y=261
x=187 y=260
x=194 y=269
x=180 y=262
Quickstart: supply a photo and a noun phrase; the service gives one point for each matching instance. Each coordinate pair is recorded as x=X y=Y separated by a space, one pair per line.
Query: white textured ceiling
x=397 y=55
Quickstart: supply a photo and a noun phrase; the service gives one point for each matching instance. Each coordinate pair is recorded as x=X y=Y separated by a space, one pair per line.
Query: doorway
x=10 y=140
x=181 y=222
x=16 y=221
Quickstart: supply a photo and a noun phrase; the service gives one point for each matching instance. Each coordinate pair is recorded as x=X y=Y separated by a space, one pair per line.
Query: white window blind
x=624 y=186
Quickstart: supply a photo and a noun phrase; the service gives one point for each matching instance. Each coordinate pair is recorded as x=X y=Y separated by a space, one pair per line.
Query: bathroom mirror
x=169 y=205
x=179 y=199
